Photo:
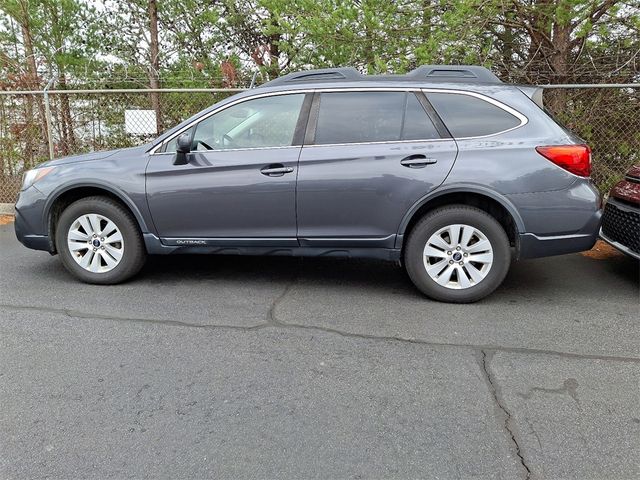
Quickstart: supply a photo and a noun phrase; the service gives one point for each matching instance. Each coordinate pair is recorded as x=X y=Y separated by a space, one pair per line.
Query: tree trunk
x=154 y=64
x=559 y=60
x=540 y=22
x=33 y=83
x=274 y=55
x=3 y=126
x=427 y=20
x=274 y=51
x=27 y=132
x=369 y=43
x=70 y=144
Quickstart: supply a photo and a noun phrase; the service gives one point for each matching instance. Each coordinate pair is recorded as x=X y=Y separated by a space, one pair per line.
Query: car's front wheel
x=99 y=241
x=457 y=254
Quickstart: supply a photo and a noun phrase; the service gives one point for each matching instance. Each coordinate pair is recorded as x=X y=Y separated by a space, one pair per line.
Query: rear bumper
x=535 y=246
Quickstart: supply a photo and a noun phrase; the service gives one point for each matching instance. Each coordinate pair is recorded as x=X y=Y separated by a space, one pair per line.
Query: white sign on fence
x=140 y=122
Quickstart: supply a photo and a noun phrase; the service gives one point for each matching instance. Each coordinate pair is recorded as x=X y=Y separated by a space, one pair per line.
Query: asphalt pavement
x=231 y=367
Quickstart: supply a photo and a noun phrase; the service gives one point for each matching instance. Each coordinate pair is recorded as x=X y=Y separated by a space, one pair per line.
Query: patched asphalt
x=230 y=367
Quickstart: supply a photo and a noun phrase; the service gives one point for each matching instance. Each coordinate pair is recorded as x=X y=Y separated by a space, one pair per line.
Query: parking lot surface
x=233 y=367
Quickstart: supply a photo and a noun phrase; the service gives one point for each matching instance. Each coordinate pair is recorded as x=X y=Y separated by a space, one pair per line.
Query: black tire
x=134 y=254
x=450 y=215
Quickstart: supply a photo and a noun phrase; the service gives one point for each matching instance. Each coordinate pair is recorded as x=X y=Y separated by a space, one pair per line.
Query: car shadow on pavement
x=623 y=267
x=347 y=273
x=529 y=279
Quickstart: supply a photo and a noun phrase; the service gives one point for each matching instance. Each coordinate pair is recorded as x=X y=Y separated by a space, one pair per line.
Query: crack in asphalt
x=96 y=316
x=274 y=322
x=272 y=319
x=494 y=389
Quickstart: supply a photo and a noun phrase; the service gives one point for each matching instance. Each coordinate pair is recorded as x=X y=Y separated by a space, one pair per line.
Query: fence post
x=47 y=114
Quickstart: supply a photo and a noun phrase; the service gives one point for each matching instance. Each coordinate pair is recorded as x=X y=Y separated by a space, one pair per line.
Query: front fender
x=102 y=185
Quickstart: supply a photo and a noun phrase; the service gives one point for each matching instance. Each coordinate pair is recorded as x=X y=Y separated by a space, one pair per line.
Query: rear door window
x=417 y=124
x=468 y=116
x=362 y=117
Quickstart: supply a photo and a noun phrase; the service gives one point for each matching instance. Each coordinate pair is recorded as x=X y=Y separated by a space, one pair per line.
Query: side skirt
x=156 y=247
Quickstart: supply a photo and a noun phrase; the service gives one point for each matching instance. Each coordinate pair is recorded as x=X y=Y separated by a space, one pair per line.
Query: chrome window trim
x=232 y=149
x=523 y=119
x=380 y=142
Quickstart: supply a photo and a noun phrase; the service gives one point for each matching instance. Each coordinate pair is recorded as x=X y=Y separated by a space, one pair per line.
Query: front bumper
x=619 y=246
x=29 y=221
x=30 y=240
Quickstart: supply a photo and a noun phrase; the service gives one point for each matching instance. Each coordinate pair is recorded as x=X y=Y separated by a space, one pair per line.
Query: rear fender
x=461 y=188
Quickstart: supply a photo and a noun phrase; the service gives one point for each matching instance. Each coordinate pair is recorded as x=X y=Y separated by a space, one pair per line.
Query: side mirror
x=183 y=146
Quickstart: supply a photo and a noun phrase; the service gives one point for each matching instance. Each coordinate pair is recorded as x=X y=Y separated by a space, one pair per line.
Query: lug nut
x=461 y=263
x=466 y=254
x=102 y=239
x=95 y=249
x=450 y=262
x=102 y=248
x=448 y=253
x=457 y=248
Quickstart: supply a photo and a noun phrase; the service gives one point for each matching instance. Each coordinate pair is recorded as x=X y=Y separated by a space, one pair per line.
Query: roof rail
x=425 y=73
x=323 y=74
x=454 y=73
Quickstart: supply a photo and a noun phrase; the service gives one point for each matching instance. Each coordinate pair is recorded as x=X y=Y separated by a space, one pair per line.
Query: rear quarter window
x=468 y=116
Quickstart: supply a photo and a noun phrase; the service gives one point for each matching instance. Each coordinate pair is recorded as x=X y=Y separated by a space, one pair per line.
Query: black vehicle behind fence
x=621 y=218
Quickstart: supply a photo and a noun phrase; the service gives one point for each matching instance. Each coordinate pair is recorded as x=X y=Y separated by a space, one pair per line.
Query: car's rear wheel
x=457 y=254
x=99 y=241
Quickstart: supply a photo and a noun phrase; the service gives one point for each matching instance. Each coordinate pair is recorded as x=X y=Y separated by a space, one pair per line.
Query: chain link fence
x=608 y=119
x=36 y=126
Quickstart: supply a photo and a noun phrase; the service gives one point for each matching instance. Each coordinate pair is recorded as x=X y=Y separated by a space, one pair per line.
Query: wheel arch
x=66 y=195
x=488 y=200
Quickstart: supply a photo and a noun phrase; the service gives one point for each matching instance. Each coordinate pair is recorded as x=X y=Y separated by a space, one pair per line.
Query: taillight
x=573 y=158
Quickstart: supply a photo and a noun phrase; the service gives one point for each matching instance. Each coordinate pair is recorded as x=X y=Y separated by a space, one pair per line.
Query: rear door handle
x=417 y=161
x=275 y=170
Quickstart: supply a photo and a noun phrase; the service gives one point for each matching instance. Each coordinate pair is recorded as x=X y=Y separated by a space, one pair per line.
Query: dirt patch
x=6 y=219
x=602 y=251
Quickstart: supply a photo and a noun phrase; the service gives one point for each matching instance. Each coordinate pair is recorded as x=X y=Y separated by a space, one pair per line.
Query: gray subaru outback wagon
x=445 y=169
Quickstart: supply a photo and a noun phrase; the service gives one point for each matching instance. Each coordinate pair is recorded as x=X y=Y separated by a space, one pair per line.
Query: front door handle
x=417 y=161
x=275 y=170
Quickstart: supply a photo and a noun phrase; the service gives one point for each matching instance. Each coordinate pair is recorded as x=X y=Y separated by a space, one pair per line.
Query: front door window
x=261 y=123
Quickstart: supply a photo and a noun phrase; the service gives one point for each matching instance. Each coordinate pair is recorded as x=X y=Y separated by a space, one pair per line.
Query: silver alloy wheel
x=95 y=243
x=458 y=256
